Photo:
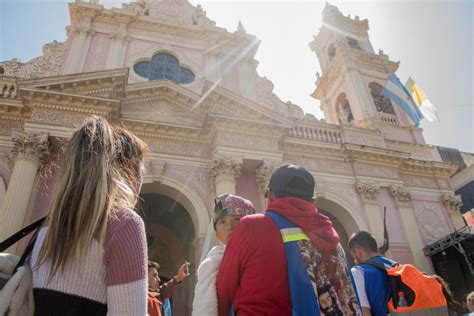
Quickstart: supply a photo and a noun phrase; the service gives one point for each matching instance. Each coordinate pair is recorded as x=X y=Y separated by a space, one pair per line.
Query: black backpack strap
x=7 y=243
x=379 y=265
x=20 y=235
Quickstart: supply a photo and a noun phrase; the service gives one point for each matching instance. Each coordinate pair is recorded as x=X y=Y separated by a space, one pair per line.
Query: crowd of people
x=90 y=257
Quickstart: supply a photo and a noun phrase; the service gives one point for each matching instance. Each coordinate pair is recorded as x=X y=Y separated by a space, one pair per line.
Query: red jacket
x=255 y=247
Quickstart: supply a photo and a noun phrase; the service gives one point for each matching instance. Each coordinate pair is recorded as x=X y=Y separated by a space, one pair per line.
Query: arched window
x=382 y=103
x=343 y=109
x=353 y=43
x=164 y=66
x=331 y=51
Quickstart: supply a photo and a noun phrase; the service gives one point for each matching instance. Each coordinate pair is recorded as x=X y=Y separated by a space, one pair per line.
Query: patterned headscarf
x=228 y=204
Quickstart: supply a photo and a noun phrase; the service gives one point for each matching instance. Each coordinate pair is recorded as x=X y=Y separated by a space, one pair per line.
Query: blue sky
x=433 y=40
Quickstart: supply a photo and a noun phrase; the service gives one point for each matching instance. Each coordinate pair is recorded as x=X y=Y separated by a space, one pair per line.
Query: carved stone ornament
x=172 y=11
x=120 y=35
x=267 y=98
x=263 y=174
x=368 y=191
x=225 y=165
x=158 y=169
x=33 y=147
x=43 y=66
x=400 y=194
x=451 y=201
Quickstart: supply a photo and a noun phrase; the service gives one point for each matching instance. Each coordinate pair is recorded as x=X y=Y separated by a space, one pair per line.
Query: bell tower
x=353 y=76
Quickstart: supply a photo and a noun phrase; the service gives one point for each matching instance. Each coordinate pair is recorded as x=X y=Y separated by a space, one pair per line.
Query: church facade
x=191 y=91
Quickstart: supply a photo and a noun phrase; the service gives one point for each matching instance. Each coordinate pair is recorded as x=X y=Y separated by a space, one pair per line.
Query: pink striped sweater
x=112 y=282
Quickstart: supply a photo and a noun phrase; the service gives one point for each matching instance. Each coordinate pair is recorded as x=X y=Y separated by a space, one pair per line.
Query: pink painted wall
x=194 y=178
x=45 y=194
x=402 y=255
x=394 y=226
x=66 y=53
x=247 y=188
x=97 y=55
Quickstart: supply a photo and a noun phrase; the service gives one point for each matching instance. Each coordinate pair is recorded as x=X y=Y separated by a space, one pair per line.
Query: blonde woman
x=90 y=258
x=228 y=211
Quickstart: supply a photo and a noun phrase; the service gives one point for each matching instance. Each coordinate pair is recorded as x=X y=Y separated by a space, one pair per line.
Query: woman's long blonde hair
x=100 y=172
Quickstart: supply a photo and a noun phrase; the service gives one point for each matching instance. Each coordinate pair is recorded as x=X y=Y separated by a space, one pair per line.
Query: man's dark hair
x=153 y=264
x=363 y=239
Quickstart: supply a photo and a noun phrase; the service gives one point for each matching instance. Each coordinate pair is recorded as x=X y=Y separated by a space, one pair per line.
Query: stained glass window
x=164 y=66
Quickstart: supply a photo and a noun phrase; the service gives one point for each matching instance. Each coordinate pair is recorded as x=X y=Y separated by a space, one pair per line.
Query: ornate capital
x=263 y=174
x=320 y=190
x=34 y=147
x=400 y=194
x=368 y=191
x=225 y=165
x=80 y=28
x=120 y=35
x=158 y=169
x=451 y=201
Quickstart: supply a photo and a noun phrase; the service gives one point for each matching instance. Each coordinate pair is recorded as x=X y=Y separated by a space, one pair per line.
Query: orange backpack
x=422 y=292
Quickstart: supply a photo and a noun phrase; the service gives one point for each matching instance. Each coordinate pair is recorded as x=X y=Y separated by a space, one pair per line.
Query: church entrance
x=170 y=235
x=343 y=222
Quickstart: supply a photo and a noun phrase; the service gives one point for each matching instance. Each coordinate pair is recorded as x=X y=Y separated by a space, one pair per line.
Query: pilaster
x=453 y=204
x=368 y=193
x=80 y=34
x=118 y=47
x=263 y=174
x=30 y=151
x=402 y=198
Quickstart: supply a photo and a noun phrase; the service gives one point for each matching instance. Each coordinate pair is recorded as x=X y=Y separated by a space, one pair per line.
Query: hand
x=183 y=272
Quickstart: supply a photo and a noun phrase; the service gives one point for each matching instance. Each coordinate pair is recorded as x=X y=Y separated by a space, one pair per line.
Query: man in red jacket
x=253 y=278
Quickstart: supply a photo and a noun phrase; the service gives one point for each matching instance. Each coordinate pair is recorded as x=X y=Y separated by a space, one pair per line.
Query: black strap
x=18 y=236
x=379 y=265
x=7 y=243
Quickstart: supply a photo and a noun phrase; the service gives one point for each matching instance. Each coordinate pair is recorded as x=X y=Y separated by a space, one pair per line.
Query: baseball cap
x=292 y=180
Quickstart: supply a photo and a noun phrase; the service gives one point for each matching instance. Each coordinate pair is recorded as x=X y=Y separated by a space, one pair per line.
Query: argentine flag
x=396 y=91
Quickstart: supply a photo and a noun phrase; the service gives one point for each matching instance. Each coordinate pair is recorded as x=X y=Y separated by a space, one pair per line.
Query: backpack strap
x=380 y=265
x=7 y=243
x=303 y=297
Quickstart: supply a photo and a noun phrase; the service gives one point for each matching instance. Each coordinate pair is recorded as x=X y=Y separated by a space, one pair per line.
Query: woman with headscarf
x=228 y=211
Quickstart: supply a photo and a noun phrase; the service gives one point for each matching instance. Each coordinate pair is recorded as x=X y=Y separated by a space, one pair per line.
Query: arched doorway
x=344 y=220
x=173 y=218
x=170 y=231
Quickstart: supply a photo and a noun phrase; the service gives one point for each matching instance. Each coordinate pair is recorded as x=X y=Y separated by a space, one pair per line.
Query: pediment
x=162 y=110
x=225 y=102
x=104 y=84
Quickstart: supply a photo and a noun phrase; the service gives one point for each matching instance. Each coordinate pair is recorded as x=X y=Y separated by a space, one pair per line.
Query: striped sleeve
x=126 y=265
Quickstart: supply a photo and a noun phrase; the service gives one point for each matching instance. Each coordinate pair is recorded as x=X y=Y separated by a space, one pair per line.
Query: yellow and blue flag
x=426 y=107
x=396 y=91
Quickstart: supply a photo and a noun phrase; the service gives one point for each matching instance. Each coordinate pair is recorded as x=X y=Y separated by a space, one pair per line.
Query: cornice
x=463 y=177
x=167 y=131
x=86 y=78
x=431 y=168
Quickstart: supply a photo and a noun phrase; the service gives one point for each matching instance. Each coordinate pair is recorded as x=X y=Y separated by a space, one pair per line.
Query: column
x=402 y=199
x=118 y=45
x=30 y=152
x=263 y=174
x=80 y=34
x=359 y=97
x=368 y=193
x=224 y=171
x=453 y=204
